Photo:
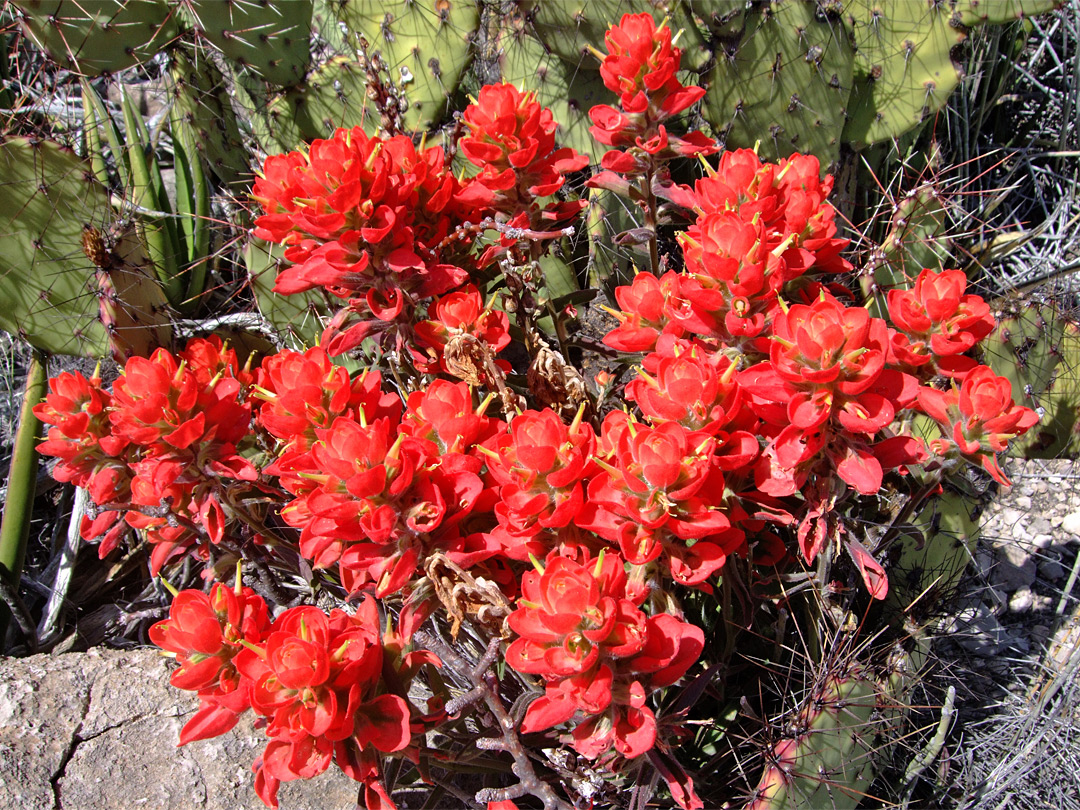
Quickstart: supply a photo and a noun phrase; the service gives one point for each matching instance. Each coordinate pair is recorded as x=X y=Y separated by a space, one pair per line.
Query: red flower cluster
x=599 y=654
x=764 y=400
x=366 y=219
x=317 y=679
x=815 y=384
x=937 y=323
x=512 y=140
x=383 y=225
x=164 y=444
x=640 y=66
x=978 y=420
x=205 y=633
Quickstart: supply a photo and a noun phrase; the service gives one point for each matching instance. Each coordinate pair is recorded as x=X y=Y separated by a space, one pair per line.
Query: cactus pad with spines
x=783 y=79
x=904 y=66
x=426 y=45
x=996 y=12
x=98 y=37
x=202 y=101
x=271 y=39
x=46 y=280
x=1025 y=347
x=826 y=760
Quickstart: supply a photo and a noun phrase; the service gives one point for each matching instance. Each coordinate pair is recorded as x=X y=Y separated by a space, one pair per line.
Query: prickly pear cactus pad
x=104 y=36
x=273 y=40
x=46 y=279
x=426 y=45
x=783 y=79
x=907 y=63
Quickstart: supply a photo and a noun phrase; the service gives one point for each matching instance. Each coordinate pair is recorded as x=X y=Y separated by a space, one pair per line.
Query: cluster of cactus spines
x=823 y=755
x=46 y=280
x=782 y=79
x=270 y=39
x=105 y=36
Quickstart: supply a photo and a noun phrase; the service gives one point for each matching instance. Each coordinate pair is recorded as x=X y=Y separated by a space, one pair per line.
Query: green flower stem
x=22 y=479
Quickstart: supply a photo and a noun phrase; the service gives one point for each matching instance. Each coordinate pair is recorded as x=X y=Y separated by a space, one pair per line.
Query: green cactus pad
x=45 y=277
x=930 y=567
x=996 y=12
x=202 y=102
x=782 y=80
x=1058 y=433
x=295 y=317
x=334 y=96
x=271 y=39
x=99 y=37
x=1025 y=347
x=829 y=764
x=904 y=68
x=426 y=44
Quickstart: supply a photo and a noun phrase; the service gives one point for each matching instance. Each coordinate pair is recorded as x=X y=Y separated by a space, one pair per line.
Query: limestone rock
x=98 y=731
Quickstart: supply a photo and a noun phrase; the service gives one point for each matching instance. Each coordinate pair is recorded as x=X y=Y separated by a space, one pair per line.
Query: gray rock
x=1071 y=523
x=98 y=731
x=979 y=631
x=1042 y=541
x=1022 y=601
x=1015 y=568
x=1051 y=569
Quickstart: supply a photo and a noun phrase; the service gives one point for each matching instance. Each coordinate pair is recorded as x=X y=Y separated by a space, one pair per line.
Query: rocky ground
x=1012 y=650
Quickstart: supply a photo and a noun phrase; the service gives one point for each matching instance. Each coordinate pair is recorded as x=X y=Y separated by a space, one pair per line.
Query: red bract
x=786 y=200
x=598 y=652
x=570 y=614
x=316 y=679
x=937 y=320
x=979 y=419
x=204 y=633
x=539 y=465
x=689 y=387
x=512 y=140
x=640 y=66
x=367 y=219
x=660 y=489
x=162 y=443
x=304 y=392
x=376 y=502
x=443 y=414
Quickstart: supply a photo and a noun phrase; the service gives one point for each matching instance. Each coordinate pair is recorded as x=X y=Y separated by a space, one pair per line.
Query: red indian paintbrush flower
x=205 y=632
x=979 y=419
